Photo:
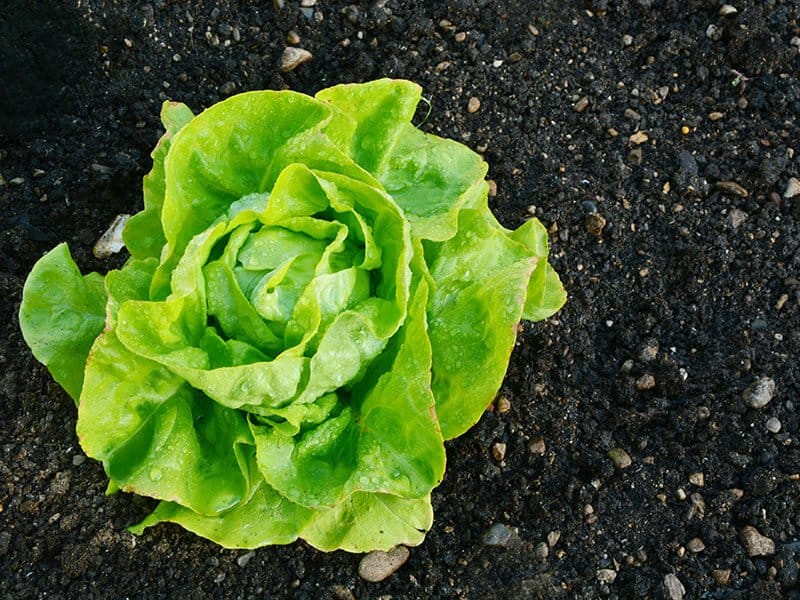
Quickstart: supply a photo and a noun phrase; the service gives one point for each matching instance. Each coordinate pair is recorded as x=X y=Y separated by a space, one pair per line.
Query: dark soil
x=694 y=285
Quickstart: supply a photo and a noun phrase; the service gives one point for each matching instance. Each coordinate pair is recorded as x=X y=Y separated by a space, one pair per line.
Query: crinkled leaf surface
x=317 y=297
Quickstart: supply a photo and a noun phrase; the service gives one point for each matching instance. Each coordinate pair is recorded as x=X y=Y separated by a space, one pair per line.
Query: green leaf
x=143 y=234
x=265 y=518
x=545 y=294
x=387 y=441
x=61 y=314
x=481 y=276
x=158 y=437
x=366 y=522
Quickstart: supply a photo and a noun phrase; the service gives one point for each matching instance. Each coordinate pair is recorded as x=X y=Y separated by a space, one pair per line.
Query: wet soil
x=684 y=288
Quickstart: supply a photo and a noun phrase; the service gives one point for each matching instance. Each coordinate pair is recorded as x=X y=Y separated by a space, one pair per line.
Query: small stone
x=638 y=138
x=227 y=88
x=732 y=188
x=645 y=382
x=782 y=299
x=685 y=130
x=244 y=559
x=78 y=460
x=473 y=105
x=760 y=393
x=627 y=39
x=755 y=543
x=533 y=29
x=342 y=592
x=635 y=156
x=553 y=537
x=620 y=458
x=499 y=451
x=595 y=223
x=541 y=551
x=498 y=535
x=503 y=405
x=649 y=351
x=294 y=57
x=792 y=188
x=736 y=217
x=680 y=494
x=697 y=479
x=460 y=36
x=378 y=565
x=293 y=37
x=773 y=425
x=538 y=446
x=672 y=587
x=715 y=116
x=726 y=10
x=581 y=105
x=721 y=576
x=714 y=32
x=606 y=575
x=695 y=545
x=492 y=187
x=632 y=115
x=308 y=3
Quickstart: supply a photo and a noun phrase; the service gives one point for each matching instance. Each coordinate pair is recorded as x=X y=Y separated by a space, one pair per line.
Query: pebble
x=715 y=116
x=731 y=187
x=695 y=545
x=378 y=565
x=697 y=479
x=727 y=10
x=461 y=36
x=503 y=405
x=672 y=587
x=538 y=446
x=792 y=188
x=773 y=425
x=635 y=156
x=473 y=105
x=632 y=115
x=293 y=37
x=714 y=32
x=581 y=105
x=606 y=575
x=645 y=382
x=755 y=543
x=498 y=535
x=721 y=576
x=649 y=351
x=227 y=88
x=620 y=458
x=294 y=57
x=595 y=223
x=78 y=460
x=736 y=217
x=760 y=393
x=244 y=559
x=553 y=537
x=640 y=137
x=499 y=451
x=541 y=551
x=627 y=39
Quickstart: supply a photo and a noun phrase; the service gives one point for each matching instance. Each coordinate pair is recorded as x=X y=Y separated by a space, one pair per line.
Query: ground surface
x=694 y=285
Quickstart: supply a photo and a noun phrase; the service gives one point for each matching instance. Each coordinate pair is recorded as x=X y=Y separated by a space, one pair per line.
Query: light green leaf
x=366 y=522
x=61 y=314
x=158 y=437
x=265 y=518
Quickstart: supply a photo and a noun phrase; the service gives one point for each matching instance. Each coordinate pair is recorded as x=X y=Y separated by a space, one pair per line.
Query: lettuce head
x=317 y=297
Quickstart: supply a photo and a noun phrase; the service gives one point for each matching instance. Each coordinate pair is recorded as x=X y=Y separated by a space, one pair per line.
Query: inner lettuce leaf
x=317 y=297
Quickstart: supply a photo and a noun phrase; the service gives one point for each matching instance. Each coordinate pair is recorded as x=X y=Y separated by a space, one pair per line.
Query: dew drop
x=156 y=474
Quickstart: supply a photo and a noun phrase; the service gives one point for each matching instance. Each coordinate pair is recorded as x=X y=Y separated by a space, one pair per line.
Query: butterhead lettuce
x=317 y=297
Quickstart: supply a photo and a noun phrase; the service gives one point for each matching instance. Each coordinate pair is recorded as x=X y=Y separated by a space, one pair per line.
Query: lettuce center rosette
x=317 y=297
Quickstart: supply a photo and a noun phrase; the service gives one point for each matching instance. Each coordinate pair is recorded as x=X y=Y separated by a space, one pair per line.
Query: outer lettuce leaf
x=143 y=234
x=265 y=518
x=61 y=314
